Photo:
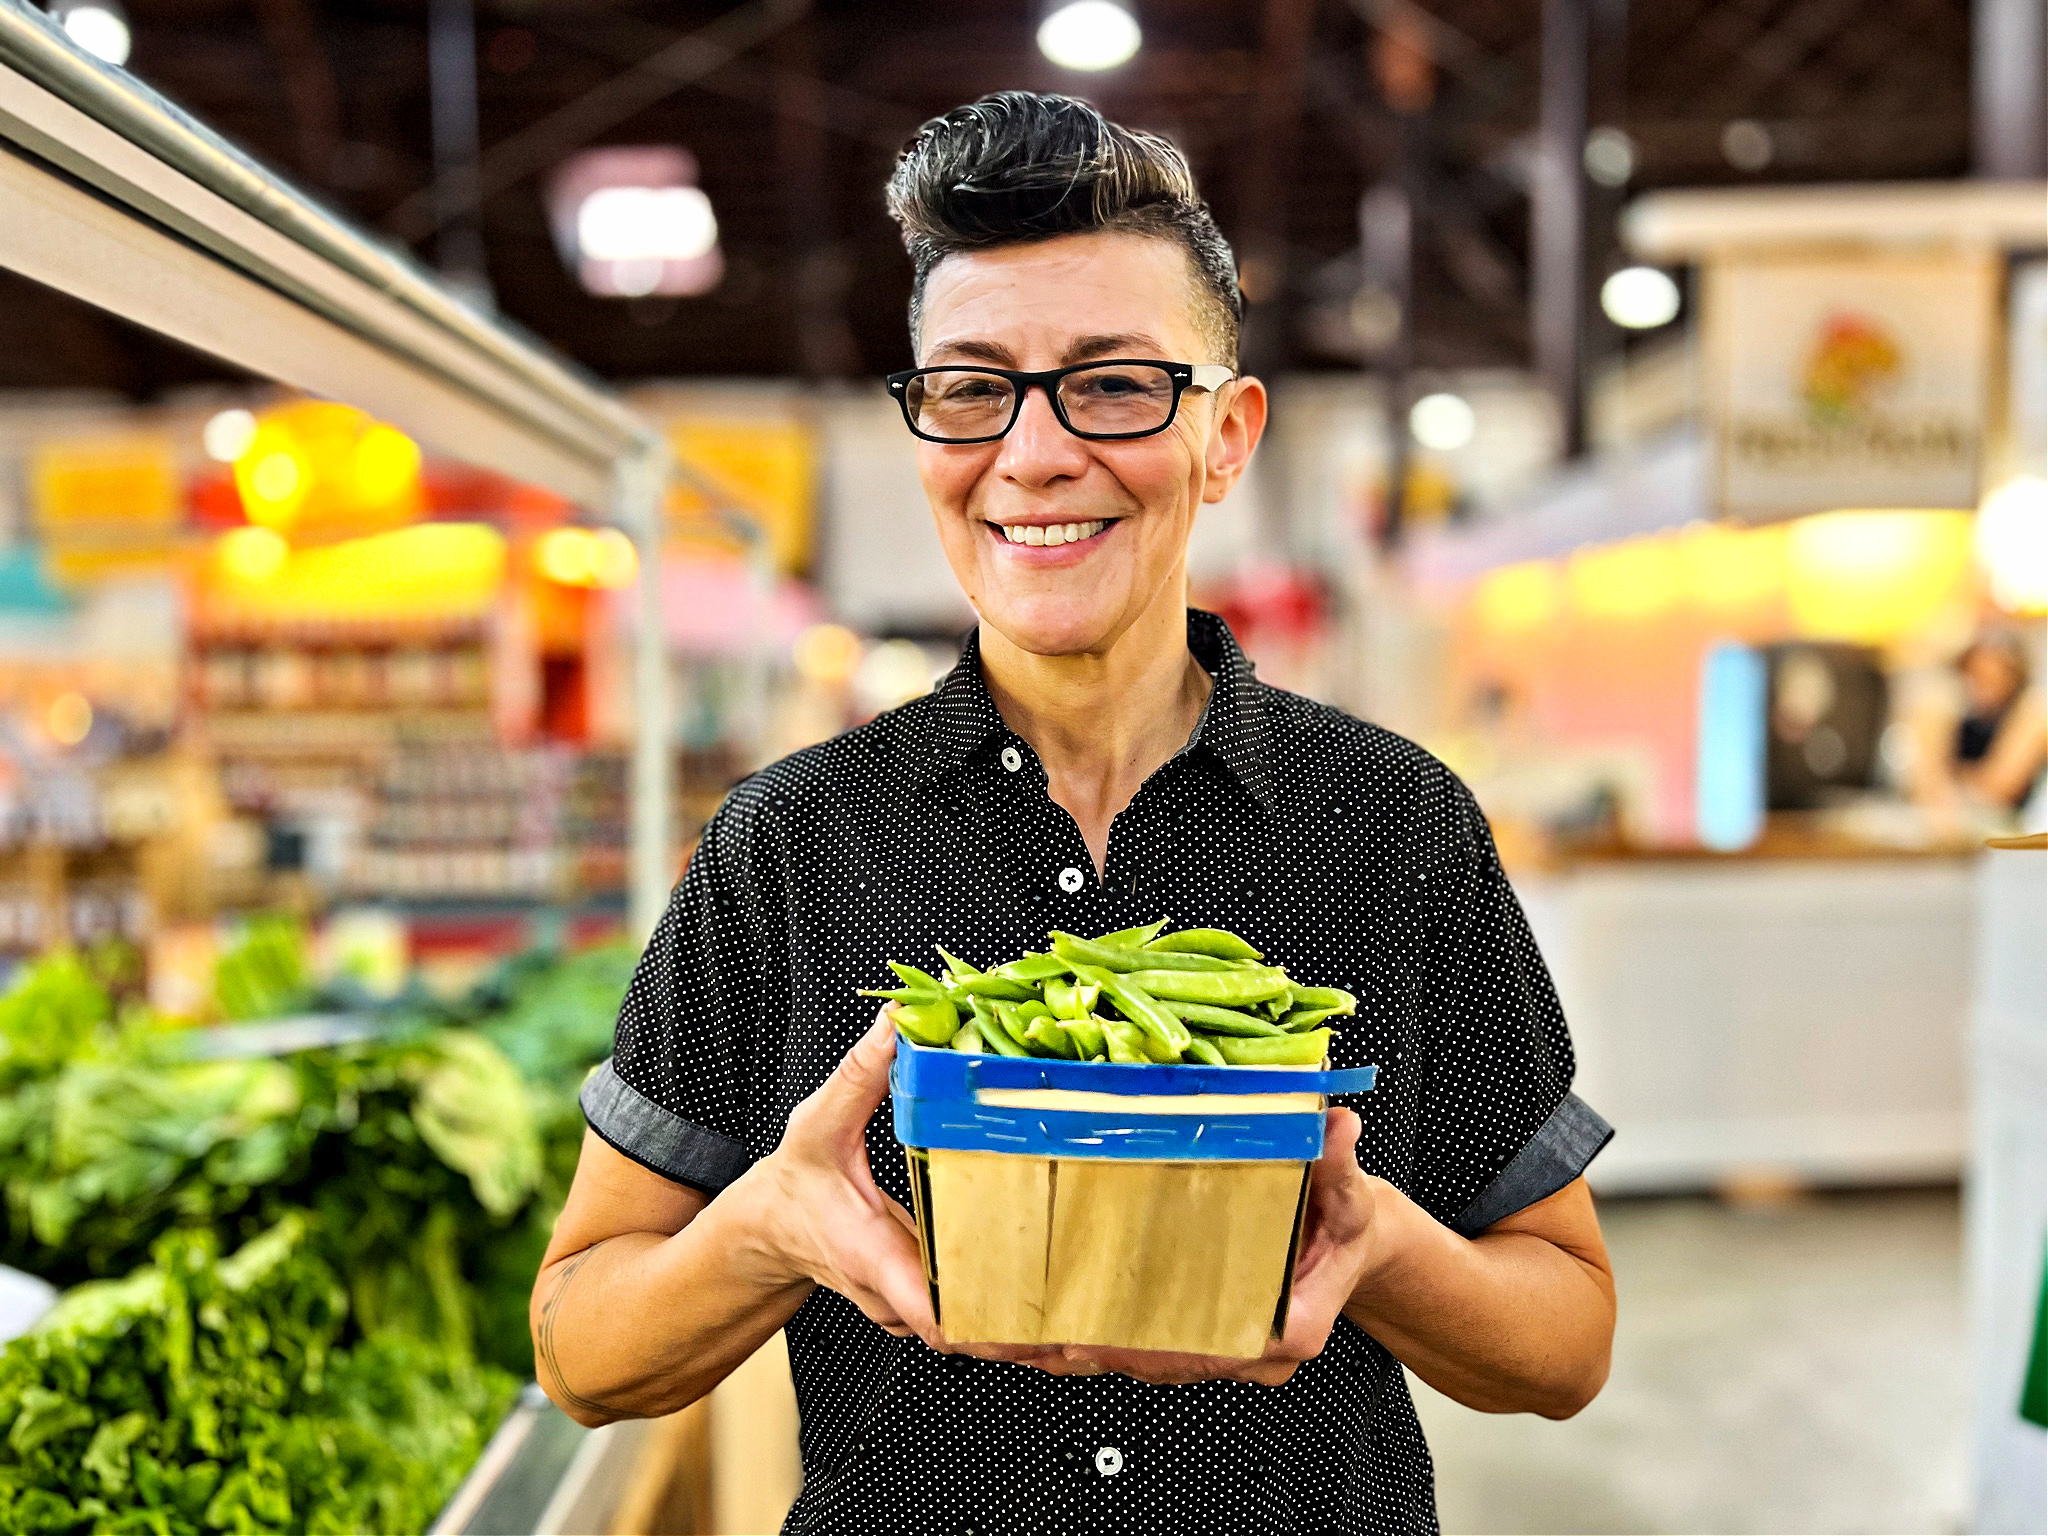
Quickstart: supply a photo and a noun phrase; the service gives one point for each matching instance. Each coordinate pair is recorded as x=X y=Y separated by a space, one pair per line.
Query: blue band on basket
x=935 y=1093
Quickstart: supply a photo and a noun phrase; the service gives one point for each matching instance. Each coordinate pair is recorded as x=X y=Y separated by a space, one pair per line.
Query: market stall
x=1709 y=687
x=294 y=1248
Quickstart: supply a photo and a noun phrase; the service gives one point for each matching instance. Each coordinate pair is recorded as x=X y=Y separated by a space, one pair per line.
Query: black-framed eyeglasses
x=1118 y=397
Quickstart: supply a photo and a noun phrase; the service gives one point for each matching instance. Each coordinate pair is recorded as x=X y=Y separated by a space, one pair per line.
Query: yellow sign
x=428 y=573
x=106 y=506
x=1848 y=381
x=766 y=470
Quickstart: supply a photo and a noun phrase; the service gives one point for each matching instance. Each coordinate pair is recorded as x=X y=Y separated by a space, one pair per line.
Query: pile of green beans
x=1137 y=995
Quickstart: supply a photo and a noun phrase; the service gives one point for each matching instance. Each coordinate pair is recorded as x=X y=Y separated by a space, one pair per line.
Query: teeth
x=1057 y=533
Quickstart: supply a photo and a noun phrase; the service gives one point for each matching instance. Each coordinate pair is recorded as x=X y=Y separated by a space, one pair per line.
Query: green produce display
x=418 y=1175
x=1200 y=995
x=263 y=973
x=201 y=1394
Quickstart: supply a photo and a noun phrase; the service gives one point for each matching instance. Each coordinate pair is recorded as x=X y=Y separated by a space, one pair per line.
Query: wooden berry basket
x=1133 y=1207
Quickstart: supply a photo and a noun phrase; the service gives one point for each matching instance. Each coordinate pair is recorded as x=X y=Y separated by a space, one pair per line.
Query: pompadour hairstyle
x=1019 y=166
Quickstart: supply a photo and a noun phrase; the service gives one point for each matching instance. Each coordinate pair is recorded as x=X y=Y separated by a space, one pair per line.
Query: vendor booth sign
x=1848 y=381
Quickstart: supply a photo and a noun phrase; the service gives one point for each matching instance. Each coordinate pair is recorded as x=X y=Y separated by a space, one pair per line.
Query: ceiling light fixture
x=1640 y=298
x=100 y=27
x=1089 y=35
x=1444 y=422
x=228 y=434
x=631 y=222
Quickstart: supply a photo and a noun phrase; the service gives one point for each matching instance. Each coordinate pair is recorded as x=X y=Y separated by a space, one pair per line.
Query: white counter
x=2006 y=1196
x=1802 y=1019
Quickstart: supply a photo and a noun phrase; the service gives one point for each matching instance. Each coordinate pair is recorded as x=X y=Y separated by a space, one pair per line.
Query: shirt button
x=1109 y=1461
x=1071 y=879
x=1012 y=759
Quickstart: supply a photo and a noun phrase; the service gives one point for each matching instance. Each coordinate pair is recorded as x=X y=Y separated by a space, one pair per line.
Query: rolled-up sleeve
x=1499 y=1127
x=674 y=1094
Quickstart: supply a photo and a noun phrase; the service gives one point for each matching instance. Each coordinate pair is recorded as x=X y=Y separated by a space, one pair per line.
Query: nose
x=1039 y=450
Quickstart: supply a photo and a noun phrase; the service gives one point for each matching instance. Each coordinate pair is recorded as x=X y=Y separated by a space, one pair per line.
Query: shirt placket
x=1054 y=869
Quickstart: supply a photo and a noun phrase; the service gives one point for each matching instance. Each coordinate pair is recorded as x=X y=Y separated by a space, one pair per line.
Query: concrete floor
x=1794 y=1368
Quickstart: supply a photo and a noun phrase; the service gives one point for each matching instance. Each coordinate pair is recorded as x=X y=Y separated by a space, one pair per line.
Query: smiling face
x=1062 y=543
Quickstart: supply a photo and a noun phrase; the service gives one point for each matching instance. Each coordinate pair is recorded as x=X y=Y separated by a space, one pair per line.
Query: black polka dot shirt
x=1341 y=850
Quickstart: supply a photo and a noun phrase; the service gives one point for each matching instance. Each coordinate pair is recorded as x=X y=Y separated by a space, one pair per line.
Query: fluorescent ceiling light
x=651 y=224
x=1089 y=35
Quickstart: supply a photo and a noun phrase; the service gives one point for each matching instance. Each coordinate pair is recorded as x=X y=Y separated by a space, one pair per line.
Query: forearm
x=641 y=1324
x=1506 y=1323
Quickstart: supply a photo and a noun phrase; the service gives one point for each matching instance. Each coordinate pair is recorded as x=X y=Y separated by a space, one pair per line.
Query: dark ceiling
x=1276 y=102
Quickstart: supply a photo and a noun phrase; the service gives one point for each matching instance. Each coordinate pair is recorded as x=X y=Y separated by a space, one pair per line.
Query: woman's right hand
x=820 y=1218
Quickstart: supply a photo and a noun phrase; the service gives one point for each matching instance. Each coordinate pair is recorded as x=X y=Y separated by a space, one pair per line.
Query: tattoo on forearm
x=550 y=1368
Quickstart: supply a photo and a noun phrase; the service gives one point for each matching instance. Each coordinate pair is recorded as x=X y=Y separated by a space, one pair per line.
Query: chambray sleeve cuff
x=634 y=1125
x=1558 y=1153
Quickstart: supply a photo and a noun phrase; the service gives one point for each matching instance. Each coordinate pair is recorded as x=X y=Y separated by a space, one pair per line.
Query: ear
x=1240 y=423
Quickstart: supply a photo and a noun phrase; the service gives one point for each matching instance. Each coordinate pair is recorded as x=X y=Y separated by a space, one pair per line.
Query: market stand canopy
x=115 y=196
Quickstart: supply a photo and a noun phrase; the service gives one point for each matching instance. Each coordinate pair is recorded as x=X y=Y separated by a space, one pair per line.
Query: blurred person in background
x=1988 y=747
x=1100 y=750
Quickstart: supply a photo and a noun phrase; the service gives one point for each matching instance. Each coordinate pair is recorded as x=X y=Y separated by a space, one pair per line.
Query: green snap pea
x=1142 y=1009
x=1166 y=960
x=1204 y=1052
x=1221 y=1021
x=1218 y=942
x=1336 y=999
x=906 y=995
x=1124 y=1041
x=1132 y=938
x=1006 y=1015
x=969 y=1039
x=911 y=976
x=973 y=983
x=1033 y=968
x=1104 y=957
x=1295 y=1020
x=1223 y=989
x=1087 y=1034
x=993 y=1030
x=1046 y=1034
x=1304 y=1050
x=933 y=1023
x=1118 y=957
x=1071 y=999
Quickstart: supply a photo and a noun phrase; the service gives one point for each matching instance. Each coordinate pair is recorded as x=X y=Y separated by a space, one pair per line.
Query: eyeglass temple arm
x=1211 y=376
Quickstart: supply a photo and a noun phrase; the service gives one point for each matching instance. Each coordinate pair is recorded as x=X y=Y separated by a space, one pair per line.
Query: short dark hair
x=1019 y=166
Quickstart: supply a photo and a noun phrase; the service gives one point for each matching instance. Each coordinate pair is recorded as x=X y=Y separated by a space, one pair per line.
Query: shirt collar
x=1233 y=728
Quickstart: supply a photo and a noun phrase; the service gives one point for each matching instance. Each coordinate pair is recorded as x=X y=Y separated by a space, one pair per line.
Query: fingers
x=1160 y=1367
x=847 y=1099
x=1340 y=1143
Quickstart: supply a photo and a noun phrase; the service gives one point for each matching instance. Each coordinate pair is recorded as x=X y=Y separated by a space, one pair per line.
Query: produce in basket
x=1201 y=995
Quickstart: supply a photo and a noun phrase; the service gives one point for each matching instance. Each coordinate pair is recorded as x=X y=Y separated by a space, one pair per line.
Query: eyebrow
x=979 y=351
x=1118 y=343
x=1125 y=343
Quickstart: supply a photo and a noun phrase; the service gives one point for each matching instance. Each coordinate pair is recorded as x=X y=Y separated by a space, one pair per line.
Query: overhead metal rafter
x=541 y=143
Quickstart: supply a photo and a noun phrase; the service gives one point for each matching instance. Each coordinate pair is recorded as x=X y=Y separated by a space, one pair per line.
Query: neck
x=1102 y=721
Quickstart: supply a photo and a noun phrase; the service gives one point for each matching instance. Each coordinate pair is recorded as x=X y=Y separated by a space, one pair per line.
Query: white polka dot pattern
x=1341 y=850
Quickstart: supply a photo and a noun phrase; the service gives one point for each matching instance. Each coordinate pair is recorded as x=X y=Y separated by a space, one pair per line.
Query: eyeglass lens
x=1109 y=401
